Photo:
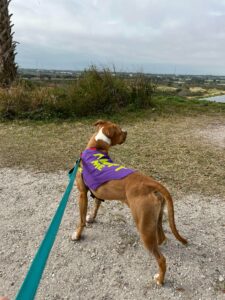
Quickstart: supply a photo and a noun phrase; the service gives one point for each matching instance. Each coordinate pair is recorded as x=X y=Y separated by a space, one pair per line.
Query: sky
x=151 y=36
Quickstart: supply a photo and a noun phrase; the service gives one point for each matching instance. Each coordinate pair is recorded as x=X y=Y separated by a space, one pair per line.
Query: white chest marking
x=101 y=136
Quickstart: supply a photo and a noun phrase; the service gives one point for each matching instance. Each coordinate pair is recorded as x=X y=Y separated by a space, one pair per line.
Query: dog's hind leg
x=146 y=216
x=150 y=242
x=91 y=217
x=160 y=232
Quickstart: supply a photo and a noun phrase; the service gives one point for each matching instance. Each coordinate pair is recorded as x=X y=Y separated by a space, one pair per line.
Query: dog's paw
x=75 y=236
x=157 y=279
x=89 y=219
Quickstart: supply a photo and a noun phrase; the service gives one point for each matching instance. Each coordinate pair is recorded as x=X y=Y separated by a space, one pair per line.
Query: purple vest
x=98 y=168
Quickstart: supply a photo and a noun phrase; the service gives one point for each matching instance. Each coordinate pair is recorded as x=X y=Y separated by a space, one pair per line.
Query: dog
x=144 y=196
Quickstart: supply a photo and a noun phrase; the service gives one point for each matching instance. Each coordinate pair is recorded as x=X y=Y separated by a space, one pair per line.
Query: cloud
x=125 y=33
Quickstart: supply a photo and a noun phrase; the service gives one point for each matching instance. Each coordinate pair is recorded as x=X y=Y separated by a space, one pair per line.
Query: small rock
x=221 y=278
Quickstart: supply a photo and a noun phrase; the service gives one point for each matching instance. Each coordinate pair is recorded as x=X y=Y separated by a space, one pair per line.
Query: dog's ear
x=99 y=123
x=109 y=131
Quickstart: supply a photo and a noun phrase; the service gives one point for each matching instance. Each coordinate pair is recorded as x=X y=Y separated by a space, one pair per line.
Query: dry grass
x=165 y=88
x=42 y=146
x=173 y=151
x=167 y=148
x=197 y=92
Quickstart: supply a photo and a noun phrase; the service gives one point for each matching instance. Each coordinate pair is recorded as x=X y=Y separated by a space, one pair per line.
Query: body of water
x=220 y=99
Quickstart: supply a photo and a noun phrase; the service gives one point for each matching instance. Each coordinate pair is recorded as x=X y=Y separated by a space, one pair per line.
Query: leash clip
x=71 y=171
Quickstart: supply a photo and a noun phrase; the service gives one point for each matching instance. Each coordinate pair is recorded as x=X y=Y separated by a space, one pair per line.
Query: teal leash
x=31 y=282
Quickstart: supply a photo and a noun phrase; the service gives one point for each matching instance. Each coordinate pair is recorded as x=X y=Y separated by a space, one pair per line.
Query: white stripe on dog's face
x=101 y=136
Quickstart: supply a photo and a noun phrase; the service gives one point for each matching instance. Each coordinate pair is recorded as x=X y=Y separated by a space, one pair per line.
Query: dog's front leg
x=83 y=203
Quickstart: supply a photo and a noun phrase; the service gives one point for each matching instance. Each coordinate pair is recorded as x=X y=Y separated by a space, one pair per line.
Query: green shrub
x=20 y=102
x=98 y=92
x=142 y=90
x=95 y=92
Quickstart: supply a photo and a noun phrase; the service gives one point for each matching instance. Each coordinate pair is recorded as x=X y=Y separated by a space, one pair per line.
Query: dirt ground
x=110 y=262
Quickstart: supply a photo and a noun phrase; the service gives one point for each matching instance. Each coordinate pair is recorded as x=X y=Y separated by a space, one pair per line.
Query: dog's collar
x=94 y=149
x=101 y=136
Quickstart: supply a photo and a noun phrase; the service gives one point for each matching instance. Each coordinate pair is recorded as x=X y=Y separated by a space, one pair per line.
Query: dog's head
x=109 y=133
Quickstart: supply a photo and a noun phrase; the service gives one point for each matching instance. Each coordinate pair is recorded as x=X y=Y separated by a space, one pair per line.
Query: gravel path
x=110 y=262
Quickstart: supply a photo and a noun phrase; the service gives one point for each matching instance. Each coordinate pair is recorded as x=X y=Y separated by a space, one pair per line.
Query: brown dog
x=143 y=195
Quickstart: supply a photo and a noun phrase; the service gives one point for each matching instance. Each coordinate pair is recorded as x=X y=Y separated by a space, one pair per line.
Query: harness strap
x=94 y=197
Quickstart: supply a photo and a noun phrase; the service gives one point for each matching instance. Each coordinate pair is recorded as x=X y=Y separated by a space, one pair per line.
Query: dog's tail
x=169 y=201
